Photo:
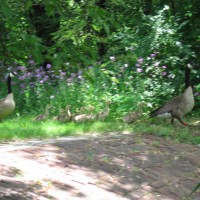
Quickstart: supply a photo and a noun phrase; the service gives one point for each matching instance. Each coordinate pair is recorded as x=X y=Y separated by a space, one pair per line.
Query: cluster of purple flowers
x=141 y=62
x=31 y=76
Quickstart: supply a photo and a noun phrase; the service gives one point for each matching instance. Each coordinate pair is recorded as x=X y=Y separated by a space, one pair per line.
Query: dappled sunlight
x=117 y=166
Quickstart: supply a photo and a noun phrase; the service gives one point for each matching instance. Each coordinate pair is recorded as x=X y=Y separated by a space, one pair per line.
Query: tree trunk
x=148 y=7
x=101 y=45
x=44 y=26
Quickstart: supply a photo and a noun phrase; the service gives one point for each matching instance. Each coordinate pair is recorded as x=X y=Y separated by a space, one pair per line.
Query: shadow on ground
x=122 y=166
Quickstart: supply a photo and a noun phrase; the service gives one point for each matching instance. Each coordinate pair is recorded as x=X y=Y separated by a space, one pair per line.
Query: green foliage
x=112 y=51
x=195 y=189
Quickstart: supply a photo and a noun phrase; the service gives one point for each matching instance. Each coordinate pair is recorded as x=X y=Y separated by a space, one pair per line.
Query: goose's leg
x=181 y=121
x=172 y=121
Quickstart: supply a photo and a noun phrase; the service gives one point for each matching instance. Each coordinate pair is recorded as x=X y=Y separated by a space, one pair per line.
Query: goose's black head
x=187 y=75
x=11 y=74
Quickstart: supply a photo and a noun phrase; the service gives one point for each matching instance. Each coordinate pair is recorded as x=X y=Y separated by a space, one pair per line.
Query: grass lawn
x=23 y=128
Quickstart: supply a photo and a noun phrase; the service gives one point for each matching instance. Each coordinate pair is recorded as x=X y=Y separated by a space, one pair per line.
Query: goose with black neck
x=179 y=106
x=7 y=104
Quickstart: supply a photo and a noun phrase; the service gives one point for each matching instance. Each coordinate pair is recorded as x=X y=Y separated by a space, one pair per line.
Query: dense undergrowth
x=144 y=60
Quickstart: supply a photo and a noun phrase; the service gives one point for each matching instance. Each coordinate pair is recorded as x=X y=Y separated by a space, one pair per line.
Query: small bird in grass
x=61 y=112
x=66 y=116
x=44 y=116
x=131 y=117
x=101 y=116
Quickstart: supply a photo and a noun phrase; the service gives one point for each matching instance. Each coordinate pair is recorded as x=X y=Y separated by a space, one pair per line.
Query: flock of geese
x=176 y=108
x=65 y=115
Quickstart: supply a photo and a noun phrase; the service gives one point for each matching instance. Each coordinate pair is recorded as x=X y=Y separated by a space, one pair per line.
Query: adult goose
x=179 y=106
x=7 y=104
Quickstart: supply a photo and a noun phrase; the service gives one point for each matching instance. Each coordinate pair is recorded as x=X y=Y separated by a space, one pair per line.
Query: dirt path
x=114 y=167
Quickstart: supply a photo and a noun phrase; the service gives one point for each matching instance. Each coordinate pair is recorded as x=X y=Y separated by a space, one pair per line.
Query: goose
x=66 y=116
x=44 y=116
x=104 y=114
x=61 y=112
x=134 y=116
x=179 y=106
x=84 y=118
x=7 y=104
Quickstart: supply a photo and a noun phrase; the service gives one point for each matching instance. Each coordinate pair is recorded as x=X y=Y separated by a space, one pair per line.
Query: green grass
x=23 y=128
x=176 y=132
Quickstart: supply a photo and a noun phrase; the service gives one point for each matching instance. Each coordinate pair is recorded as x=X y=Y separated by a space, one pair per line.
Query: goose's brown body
x=7 y=105
x=135 y=115
x=177 y=107
x=65 y=117
x=84 y=118
x=105 y=113
x=44 y=116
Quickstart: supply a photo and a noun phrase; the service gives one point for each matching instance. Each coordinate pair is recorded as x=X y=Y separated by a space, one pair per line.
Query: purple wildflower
x=63 y=73
x=46 y=77
x=22 y=85
x=37 y=71
x=140 y=60
x=48 y=66
x=22 y=68
x=139 y=70
x=28 y=74
x=39 y=75
x=21 y=78
x=137 y=65
x=164 y=73
x=32 y=62
x=164 y=67
x=80 y=77
x=153 y=55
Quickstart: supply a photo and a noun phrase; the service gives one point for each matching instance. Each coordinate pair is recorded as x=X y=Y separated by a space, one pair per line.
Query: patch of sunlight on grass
x=24 y=128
